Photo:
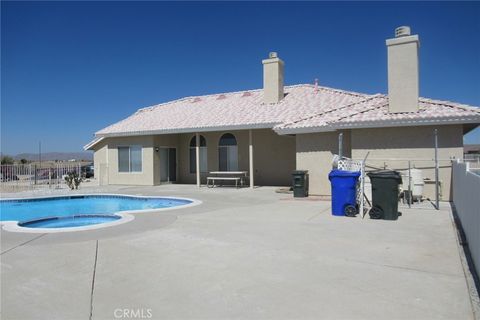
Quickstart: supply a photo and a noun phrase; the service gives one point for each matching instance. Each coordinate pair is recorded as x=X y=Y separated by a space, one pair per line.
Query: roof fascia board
x=89 y=145
x=285 y=131
x=189 y=130
x=377 y=124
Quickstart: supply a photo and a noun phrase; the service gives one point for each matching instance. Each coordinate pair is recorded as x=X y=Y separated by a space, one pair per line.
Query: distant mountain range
x=56 y=156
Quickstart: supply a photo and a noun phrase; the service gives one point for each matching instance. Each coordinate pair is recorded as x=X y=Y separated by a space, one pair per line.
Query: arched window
x=203 y=155
x=228 y=153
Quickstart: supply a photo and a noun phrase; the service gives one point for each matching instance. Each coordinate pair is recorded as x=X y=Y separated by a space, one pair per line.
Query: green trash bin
x=385 y=192
x=300 y=183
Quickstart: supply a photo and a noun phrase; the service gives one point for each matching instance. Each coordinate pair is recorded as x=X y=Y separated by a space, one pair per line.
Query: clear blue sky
x=69 y=69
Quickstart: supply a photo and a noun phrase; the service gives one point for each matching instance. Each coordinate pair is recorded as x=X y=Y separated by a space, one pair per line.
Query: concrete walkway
x=242 y=254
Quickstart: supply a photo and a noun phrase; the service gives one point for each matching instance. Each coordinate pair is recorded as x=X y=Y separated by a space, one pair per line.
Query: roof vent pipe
x=272 y=78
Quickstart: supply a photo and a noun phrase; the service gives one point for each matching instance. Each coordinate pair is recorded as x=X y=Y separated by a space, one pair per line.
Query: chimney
x=272 y=78
x=403 y=71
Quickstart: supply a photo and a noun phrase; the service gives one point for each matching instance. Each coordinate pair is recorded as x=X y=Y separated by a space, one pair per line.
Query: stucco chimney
x=403 y=71
x=272 y=78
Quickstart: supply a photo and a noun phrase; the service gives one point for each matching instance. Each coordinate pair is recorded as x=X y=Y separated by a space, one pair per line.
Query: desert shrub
x=73 y=180
x=7 y=160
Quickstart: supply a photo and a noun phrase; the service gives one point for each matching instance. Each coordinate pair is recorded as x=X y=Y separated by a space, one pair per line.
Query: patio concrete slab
x=47 y=282
x=242 y=254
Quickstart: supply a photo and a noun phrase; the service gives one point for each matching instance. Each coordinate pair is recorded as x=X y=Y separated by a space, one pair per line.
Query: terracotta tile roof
x=304 y=109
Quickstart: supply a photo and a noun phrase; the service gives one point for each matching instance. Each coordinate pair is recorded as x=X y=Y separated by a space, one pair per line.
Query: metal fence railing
x=435 y=176
x=21 y=177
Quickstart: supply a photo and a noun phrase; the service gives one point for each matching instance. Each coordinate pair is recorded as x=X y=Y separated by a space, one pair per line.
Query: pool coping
x=125 y=216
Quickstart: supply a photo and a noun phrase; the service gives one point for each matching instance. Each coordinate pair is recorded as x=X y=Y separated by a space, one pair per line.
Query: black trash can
x=300 y=183
x=385 y=192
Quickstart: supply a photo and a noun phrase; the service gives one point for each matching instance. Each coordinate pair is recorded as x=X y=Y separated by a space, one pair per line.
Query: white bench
x=236 y=179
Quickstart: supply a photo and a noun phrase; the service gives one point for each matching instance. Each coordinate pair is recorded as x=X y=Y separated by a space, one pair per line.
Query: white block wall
x=466 y=197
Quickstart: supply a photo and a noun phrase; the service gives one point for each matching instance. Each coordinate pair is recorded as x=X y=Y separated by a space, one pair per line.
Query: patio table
x=227 y=175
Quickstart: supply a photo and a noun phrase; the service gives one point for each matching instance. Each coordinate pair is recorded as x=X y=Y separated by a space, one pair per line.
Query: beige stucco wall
x=100 y=162
x=146 y=177
x=416 y=143
x=403 y=77
x=274 y=156
x=315 y=153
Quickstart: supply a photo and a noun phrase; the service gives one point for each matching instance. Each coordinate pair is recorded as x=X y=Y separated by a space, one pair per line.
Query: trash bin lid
x=385 y=174
x=342 y=173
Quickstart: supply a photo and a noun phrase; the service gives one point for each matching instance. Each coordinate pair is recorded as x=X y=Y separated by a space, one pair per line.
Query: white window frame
x=129 y=159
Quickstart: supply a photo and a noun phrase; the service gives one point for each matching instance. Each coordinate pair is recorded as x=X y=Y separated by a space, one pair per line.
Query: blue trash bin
x=343 y=190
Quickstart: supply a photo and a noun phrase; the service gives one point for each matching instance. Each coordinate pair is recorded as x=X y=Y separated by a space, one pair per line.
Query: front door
x=168 y=164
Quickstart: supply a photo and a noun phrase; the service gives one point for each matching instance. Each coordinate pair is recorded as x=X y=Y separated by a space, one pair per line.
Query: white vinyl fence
x=21 y=177
x=466 y=198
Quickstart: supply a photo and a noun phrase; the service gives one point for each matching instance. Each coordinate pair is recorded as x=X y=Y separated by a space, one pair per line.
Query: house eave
x=379 y=124
x=287 y=131
x=92 y=143
x=188 y=130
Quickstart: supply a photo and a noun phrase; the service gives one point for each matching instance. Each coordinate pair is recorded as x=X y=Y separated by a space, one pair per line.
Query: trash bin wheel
x=376 y=213
x=350 y=211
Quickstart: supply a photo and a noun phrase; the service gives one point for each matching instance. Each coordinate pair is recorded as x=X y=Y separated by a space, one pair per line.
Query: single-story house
x=272 y=131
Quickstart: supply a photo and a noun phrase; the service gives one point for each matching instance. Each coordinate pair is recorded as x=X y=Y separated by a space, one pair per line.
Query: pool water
x=60 y=207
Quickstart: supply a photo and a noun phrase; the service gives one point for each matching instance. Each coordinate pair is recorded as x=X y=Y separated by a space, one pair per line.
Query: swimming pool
x=78 y=211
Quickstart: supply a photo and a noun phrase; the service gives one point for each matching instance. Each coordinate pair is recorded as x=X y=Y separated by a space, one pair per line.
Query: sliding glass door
x=168 y=164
